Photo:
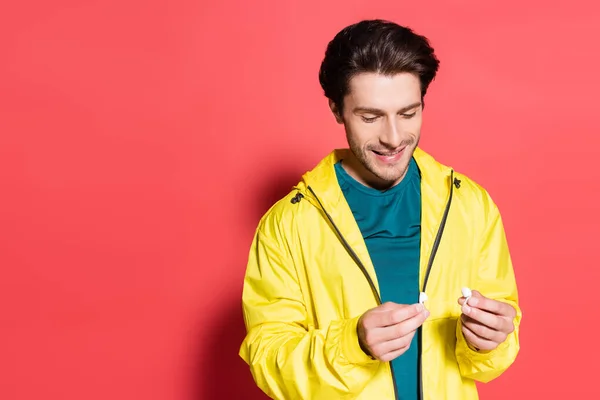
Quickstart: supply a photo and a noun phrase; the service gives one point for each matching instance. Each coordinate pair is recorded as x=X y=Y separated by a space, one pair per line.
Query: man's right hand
x=385 y=332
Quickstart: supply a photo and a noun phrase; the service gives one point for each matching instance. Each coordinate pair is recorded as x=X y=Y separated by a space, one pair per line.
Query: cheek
x=360 y=133
x=355 y=135
x=412 y=130
x=415 y=126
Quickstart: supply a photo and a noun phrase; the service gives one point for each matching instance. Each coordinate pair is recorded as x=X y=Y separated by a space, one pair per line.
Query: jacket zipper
x=436 y=244
x=347 y=246
x=362 y=268
x=357 y=260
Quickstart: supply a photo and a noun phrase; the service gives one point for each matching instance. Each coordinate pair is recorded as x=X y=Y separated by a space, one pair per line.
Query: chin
x=392 y=179
x=390 y=174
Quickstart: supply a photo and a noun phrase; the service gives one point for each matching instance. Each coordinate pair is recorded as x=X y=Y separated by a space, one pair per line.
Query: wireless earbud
x=422 y=297
x=466 y=292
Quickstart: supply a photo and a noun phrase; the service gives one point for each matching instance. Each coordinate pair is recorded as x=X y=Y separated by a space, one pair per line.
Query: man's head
x=375 y=75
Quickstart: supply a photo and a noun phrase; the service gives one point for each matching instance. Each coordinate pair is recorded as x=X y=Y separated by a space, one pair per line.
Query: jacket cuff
x=483 y=366
x=351 y=349
x=468 y=352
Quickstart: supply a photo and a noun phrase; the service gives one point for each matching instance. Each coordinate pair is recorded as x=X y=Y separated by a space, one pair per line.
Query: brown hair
x=375 y=46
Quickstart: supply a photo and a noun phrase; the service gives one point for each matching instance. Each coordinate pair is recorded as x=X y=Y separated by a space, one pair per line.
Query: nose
x=391 y=136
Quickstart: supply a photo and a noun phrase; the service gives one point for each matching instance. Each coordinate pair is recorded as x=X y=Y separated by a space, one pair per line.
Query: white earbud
x=466 y=292
x=422 y=297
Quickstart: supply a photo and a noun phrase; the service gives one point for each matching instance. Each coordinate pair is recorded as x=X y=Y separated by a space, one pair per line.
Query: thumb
x=474 y=294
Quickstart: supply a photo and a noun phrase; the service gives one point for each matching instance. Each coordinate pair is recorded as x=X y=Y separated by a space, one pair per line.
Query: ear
x=336 y=112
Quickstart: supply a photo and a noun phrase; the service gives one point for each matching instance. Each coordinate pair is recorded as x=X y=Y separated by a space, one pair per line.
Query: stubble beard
x=390 y=174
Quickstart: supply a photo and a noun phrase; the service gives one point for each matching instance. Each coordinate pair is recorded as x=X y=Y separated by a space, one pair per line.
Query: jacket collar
x=321 y=188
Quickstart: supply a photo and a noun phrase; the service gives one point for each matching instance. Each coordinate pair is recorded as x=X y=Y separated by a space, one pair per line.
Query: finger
x=476 y=341
x=461 y=300
x=483 y=331
x=393 y=316
x=491 y=305
x=393 y=355
x=492 y=321
x=381 y=315
x=403 y=328
x=388 y=305
x=386 y=351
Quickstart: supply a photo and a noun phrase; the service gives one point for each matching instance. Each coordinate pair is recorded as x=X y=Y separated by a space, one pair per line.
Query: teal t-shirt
x=390 y=222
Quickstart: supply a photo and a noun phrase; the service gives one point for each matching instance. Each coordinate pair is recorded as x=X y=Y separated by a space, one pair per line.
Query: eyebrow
x=378 y=111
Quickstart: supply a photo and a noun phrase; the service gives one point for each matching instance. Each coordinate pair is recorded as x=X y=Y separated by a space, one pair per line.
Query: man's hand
x=485 y=322
x=385 y=332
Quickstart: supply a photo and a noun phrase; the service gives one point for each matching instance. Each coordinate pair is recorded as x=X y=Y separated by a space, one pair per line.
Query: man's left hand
x=486 y=323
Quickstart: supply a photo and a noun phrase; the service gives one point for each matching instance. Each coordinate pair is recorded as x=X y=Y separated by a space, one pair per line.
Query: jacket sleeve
x=288 y=358
x=494 y=279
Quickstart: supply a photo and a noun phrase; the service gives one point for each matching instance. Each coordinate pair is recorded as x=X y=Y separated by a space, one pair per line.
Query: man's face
x=382 y=116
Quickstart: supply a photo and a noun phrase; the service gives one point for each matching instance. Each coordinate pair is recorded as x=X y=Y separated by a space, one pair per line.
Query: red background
x=142 y=140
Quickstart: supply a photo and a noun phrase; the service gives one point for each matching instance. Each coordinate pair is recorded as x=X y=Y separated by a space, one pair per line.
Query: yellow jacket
x=309 y=278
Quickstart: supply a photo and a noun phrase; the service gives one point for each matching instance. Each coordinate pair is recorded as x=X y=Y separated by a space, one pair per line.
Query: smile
x=387 y=154
x=389 y=157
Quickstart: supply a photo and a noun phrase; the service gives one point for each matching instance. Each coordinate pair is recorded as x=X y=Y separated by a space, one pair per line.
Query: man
x=332 y=291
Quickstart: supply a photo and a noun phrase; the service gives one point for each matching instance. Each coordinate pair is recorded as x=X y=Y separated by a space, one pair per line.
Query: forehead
x=383 y=91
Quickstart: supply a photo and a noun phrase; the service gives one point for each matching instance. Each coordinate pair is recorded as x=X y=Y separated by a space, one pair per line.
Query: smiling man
x=353 y=285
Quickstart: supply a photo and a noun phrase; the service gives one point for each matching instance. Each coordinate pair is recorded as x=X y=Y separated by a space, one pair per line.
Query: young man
x=339 y=267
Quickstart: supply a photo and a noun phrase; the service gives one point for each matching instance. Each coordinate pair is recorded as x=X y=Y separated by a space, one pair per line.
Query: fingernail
x=427 y=313
x=466 y=309
x=419 y=307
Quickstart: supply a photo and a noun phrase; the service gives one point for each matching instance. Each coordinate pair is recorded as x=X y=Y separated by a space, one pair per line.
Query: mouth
x=387 y=153
x=387 y=156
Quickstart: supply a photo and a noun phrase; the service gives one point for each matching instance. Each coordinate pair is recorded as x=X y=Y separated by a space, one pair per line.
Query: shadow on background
x=224 y=375
x=274 y=188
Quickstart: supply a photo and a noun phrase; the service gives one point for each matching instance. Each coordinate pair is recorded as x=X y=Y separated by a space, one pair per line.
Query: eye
x=369 y=120
x=409 y=116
